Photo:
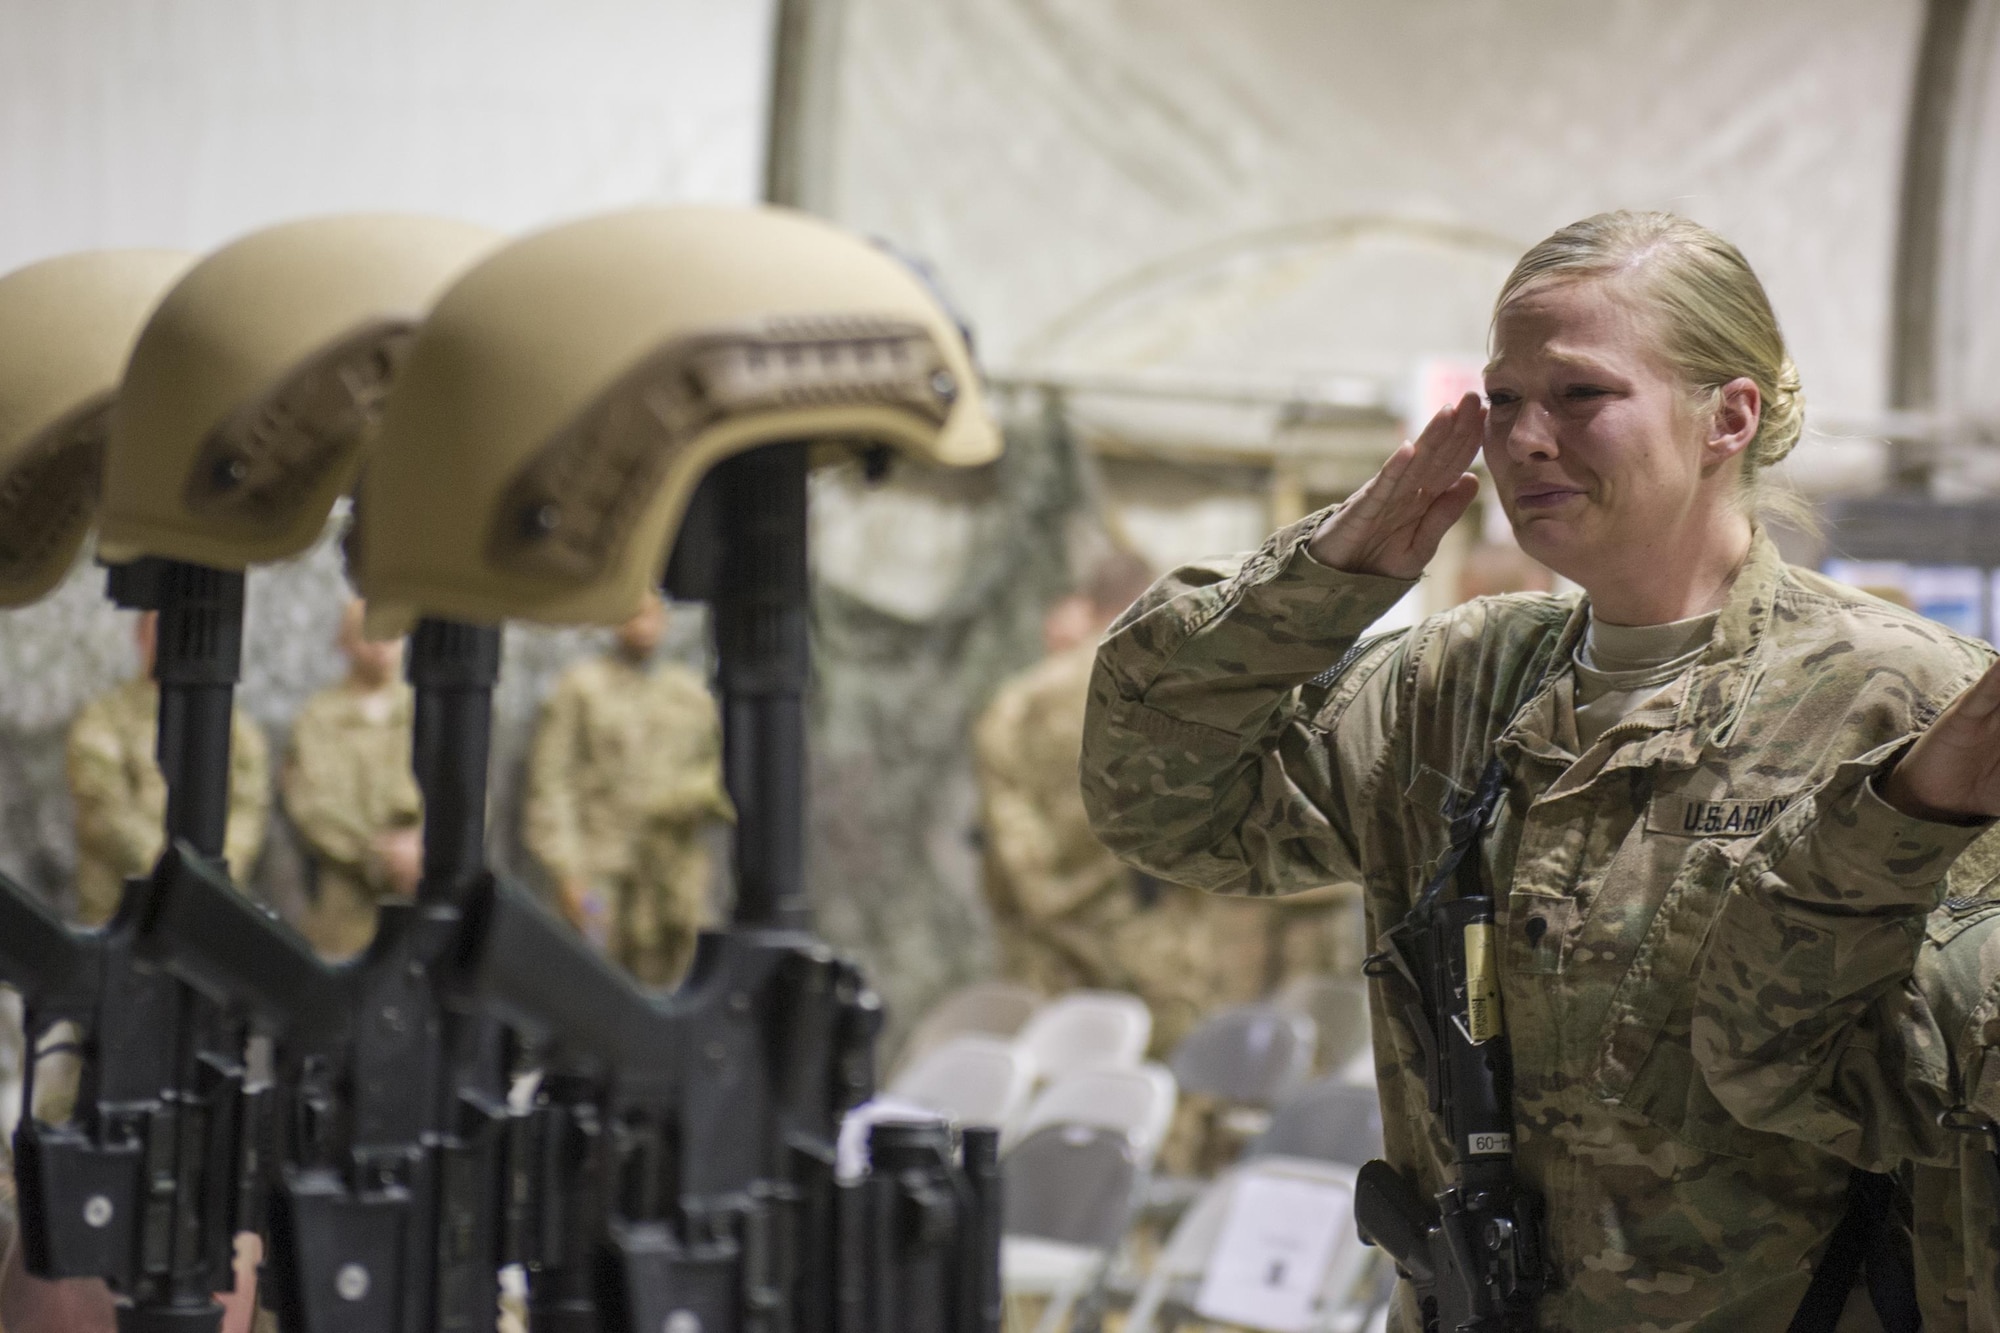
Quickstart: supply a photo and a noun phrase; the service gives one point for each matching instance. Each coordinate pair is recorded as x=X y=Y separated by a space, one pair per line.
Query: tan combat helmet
x=66 y=327
x=255 y=387
x=566 y=396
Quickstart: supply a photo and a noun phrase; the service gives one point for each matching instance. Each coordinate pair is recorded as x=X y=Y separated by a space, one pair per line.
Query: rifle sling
x=1870 y=1241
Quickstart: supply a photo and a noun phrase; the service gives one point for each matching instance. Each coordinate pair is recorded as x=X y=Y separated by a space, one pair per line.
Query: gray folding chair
x=1243 y=1058
x=1338 y=1007
x=1068 y=1192
x=1248 y=1054
x=1327 y=1120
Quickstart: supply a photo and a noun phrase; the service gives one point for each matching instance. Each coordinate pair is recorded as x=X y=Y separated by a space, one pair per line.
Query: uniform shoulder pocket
x=1971 y=889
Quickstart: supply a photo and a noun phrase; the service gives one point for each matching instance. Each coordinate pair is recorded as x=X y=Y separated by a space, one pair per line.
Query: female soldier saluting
x=1700 y=703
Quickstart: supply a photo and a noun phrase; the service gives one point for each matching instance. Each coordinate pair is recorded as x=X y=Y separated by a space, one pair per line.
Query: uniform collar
x=1712 y=696
x=1720 y=686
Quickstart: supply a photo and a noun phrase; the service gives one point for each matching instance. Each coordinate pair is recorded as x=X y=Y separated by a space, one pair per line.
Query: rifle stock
x=237 y=954
x=542 y=979
x=40 y=955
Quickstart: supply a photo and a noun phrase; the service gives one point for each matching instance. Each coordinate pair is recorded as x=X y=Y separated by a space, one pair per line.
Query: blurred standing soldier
x=121 y=798
x=625 y=770
x=348 y=787
x=1066 y=912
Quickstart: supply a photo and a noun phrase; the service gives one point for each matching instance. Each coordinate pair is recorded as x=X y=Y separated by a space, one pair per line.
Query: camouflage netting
x=894 y=866
x=894 y=841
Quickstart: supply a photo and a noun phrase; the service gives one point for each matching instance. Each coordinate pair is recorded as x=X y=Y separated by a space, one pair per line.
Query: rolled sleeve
x=1198 y=765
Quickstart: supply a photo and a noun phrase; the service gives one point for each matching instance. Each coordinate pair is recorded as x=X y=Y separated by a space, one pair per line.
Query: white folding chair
x=1244 y=1057
x=991 y=1008
x=1137 y=1102
x=973 y=1080
x=1346 y=1295
x=1086 y=1029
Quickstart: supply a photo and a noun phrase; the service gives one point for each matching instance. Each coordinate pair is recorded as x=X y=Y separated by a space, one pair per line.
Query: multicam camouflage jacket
x=1242 y=740
x=1958 y=982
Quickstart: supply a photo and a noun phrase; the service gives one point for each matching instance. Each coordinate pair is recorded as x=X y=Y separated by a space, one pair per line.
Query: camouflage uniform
x=121 y=798
x=1067 y=913
x=1222 y=751
x=625 y=769
x=346 y=781
x=1957 y=1205
x=1893 y=1075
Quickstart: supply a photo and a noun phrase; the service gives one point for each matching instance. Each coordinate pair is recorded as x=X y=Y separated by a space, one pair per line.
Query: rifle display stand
x=205 y=1318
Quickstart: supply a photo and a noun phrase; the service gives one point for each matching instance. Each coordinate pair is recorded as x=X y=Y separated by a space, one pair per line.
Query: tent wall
x=1283 y=193
x=1040 y=150
x=185 y=122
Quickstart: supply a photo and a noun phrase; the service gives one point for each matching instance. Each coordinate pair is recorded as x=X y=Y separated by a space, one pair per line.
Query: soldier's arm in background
x=551 y=823
x=319 y=796
x=1021 y=834
x=249 y=797
x=109 y=823
x=1807 y=1020
x=1956 y=1210
x=1205 y=760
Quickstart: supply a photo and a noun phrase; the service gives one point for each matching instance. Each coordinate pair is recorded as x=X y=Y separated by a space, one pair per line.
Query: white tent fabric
x=1969 y=287
x=1182 y=186
x=144 y=122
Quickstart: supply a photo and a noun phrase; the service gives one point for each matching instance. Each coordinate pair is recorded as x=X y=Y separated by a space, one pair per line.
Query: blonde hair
x=1715 y=320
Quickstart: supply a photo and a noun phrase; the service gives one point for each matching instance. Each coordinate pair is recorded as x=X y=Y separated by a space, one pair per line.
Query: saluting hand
x=1952 y=773
x=1393 y=524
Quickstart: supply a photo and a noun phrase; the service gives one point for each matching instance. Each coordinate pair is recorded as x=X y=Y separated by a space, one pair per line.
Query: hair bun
x=1784 y=418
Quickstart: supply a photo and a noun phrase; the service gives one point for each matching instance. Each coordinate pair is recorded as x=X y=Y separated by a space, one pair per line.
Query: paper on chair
x=1267 y=1266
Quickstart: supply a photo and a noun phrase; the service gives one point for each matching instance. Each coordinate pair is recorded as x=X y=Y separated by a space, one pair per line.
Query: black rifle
x=679 y=1159
x=1477 y=1256
x=392 y=1121
x=146 y=1184
x=679 y=1169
